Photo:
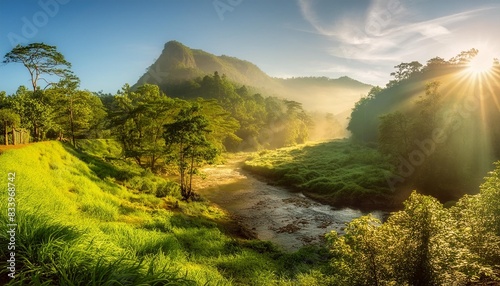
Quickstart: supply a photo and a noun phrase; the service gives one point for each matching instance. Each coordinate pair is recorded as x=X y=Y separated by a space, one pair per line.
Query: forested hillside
x=180 y=69
x=238 y=117
x=437 y=123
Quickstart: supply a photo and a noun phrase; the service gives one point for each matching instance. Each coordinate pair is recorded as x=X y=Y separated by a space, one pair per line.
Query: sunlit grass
x=105 y=148
x=76 y=226
x=339 y=171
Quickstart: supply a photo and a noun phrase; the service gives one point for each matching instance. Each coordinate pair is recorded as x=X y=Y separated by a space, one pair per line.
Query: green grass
x=338 y=172
x=106 y=148
x=93 y=219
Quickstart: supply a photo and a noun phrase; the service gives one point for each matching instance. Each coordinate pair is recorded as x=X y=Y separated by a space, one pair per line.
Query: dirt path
x=10 y=147
x=290 y=220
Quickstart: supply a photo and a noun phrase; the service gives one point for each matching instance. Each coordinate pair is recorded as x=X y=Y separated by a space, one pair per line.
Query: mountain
x=179 y=63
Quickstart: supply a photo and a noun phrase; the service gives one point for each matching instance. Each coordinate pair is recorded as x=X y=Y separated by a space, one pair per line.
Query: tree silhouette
x=39 y=59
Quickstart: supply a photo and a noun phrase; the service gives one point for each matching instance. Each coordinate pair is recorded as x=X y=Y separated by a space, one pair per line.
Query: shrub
x=168 y=188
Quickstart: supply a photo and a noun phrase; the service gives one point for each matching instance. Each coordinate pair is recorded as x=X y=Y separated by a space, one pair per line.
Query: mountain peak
x=178 y=63
x=176 y=55
x=173 y=44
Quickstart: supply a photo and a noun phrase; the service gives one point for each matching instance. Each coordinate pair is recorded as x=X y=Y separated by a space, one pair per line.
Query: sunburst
x=482 y=63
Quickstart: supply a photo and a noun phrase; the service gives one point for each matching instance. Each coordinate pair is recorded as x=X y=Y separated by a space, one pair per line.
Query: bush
x=424 y=244
x=149 y=184
x=167 y=189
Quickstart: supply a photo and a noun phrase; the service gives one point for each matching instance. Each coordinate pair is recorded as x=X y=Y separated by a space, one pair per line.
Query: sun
x=481 y=63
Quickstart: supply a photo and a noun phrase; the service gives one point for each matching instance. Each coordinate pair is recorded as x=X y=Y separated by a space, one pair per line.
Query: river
x=285 y=218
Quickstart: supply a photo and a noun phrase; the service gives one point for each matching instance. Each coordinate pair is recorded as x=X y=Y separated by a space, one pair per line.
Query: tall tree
x=405 y=71
x=299 y=123
x=359 y=253
x=464 y=57
x=430 y=105
x=35 y=111
x=221 y=123
x=186 y=139
x=3 y=99
x=420 y=245
x=360 y=125
x=436 y=63
x=76 y=111
x=9 y=119
x=40 y=59
x=138 y=118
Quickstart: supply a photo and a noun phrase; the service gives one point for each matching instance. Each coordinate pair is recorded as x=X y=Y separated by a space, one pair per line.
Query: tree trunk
x=191 y=176
x=13 y=136
x=35 y=133
x=153 y=162
x=181 y=172
x=138 y=160
x=6 y=134
x=71 y=123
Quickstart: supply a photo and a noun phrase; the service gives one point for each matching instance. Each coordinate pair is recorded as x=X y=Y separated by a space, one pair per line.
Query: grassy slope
x=88 y=221
x=338 y=172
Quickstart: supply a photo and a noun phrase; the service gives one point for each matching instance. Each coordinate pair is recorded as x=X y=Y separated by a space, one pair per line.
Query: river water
x=288 y=219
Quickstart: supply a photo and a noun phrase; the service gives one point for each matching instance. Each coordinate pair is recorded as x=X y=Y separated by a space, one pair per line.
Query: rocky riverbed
x=267 y=212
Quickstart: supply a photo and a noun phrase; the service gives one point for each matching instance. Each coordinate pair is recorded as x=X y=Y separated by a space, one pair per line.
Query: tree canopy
x=437 y=123
x=39 y=59
x=186 y=140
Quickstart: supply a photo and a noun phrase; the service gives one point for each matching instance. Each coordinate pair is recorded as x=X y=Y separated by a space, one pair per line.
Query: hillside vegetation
x=425 y=243
x=81 y=221
x=338 y=172
x=438 y=123
x=90 y=221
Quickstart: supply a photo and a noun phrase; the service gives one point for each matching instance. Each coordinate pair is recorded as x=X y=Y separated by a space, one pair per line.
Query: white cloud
x=384 y=34
x=310 y=15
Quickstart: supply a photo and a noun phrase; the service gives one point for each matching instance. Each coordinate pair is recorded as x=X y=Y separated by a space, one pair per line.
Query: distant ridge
x=179 y=63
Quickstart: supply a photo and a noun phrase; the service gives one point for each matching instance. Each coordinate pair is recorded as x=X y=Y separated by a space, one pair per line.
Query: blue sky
x=111 y=42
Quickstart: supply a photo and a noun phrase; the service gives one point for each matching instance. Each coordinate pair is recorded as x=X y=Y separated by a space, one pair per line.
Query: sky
x=113 y=42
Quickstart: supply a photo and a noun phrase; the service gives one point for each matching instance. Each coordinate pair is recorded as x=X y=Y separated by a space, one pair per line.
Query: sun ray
x=482 y=63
